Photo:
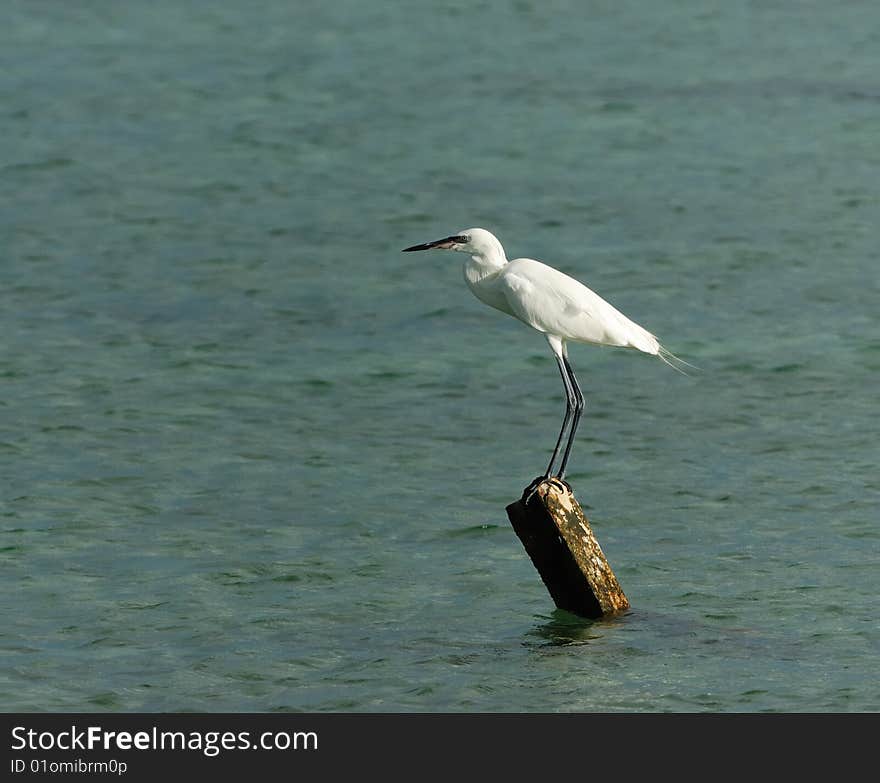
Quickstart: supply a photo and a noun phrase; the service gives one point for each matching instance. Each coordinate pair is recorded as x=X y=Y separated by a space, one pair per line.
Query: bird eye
x=463 y=239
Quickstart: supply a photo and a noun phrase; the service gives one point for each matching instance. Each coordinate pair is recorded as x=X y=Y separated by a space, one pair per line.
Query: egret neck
x=481 y=275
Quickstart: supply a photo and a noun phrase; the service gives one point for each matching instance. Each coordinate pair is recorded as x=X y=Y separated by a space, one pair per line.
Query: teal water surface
x=254 y=458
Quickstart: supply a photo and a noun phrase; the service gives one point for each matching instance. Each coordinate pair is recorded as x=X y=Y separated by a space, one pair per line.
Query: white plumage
x=551 y=302
x=556 y=304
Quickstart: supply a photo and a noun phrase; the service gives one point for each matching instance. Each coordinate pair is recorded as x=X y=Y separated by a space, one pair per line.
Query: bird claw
x=531 y=489
x=561 y=484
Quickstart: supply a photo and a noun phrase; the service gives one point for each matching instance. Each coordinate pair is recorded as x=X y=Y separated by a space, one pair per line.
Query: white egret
x=553 y=303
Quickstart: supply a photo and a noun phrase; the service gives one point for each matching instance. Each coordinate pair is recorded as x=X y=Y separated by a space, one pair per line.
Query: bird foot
x=562 y=484
x=531 y=489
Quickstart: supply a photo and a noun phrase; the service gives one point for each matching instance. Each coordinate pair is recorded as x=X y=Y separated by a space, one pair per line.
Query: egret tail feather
x=674 y=361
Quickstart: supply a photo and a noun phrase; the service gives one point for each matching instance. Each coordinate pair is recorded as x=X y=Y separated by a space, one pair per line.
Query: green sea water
x=253 y=458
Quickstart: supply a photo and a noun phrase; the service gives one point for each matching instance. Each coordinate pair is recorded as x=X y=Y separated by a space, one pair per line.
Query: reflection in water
x=564 y=628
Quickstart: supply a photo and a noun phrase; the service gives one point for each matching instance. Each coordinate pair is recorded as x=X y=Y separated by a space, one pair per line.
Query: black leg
x=570 y=405
x=578 y=404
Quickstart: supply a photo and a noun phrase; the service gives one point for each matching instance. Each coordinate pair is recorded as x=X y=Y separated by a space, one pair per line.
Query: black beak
x=439 y=244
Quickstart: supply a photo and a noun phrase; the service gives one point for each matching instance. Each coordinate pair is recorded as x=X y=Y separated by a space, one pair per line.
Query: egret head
x=476 y=241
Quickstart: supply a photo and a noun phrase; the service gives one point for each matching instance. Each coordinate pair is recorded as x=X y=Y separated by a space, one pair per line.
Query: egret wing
x=554 y=303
